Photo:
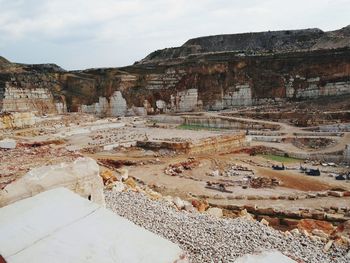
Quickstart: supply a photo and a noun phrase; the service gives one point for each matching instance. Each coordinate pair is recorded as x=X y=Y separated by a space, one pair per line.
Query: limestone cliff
x=211 y=73
x=31 y=88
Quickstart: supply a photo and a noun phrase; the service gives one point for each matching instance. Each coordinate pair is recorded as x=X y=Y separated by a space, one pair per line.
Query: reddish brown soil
x=295 y=181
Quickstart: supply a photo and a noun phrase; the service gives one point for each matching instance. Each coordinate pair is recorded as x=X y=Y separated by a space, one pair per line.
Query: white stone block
x=59 y=226
x=81 y=176
x=7 y=144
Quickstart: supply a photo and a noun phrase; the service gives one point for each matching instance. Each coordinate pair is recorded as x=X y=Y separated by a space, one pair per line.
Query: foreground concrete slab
x=60 y=226
x=265 y=257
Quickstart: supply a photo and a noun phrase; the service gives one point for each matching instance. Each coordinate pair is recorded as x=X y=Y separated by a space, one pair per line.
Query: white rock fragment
x=8 y=144
x=214 y=211
x=215 y=173
x=264 y=221
x=179 y=202
x=122 y=174
x=118 y=187
x=319 y=233
x=328 y=246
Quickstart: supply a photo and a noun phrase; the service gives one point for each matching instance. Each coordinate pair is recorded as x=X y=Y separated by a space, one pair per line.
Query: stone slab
x=60 y=226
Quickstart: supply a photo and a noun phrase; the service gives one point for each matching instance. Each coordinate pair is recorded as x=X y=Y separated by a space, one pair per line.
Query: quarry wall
x=210 y=82
x=217 y=82
x=31 y=92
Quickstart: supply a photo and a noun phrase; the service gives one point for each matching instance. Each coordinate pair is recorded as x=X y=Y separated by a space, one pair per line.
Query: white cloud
x=88 y=33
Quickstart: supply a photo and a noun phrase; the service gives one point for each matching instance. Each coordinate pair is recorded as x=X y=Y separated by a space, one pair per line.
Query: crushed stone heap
x=210 y=239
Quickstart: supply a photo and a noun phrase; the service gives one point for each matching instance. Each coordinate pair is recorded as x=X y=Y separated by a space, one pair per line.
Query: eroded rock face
x=81 y=176
x=17 y=120
x=34 y=88
x=209 y=73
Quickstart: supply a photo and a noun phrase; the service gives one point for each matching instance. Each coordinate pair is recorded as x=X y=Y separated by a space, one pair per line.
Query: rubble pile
x=212 y=239
x=325 y=231
x=263 y=182
x=313 y=143
x=179 y=168
x=236 y=170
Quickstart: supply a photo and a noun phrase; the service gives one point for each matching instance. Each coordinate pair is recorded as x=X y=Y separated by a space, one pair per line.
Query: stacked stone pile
x=179 y=168
x=263 y=182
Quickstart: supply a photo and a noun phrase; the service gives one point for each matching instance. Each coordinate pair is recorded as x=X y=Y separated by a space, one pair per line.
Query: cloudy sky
x=77 y=34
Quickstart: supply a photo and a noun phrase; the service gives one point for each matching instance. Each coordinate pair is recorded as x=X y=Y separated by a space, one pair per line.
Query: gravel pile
x=209 y=239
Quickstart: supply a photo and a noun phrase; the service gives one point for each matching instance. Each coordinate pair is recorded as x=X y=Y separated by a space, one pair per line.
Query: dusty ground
x=115 y=139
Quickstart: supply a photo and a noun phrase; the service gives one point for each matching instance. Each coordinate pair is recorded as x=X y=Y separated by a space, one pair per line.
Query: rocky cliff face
x=210 y=73
x=31 y=88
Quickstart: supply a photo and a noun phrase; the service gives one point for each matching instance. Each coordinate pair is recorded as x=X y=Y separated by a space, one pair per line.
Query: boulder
x=81 y=176
x=305 y=233
x=200 y=205
x=153 y=194
x=168 y=199
x=295 y=232
x=264 y=222
x=215 y=173
x=130 y=182
x=179 y=202
x=214 y=211
x=273 y=221
x=244 y=214
x=287 y=234
x=328 y=246
x=315 y=238
x=322 y=194
x=320 y=233
x=190 y=208
x=122 y=174
x=118 y=187
x=335 y=193
x=311 y=195
x=108 y=177
x=8 y=144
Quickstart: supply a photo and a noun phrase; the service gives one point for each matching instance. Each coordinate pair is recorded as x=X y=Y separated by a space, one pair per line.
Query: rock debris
x=210 y=239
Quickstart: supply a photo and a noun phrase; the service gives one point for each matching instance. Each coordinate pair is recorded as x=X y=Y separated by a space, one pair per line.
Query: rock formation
x=210 y=73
